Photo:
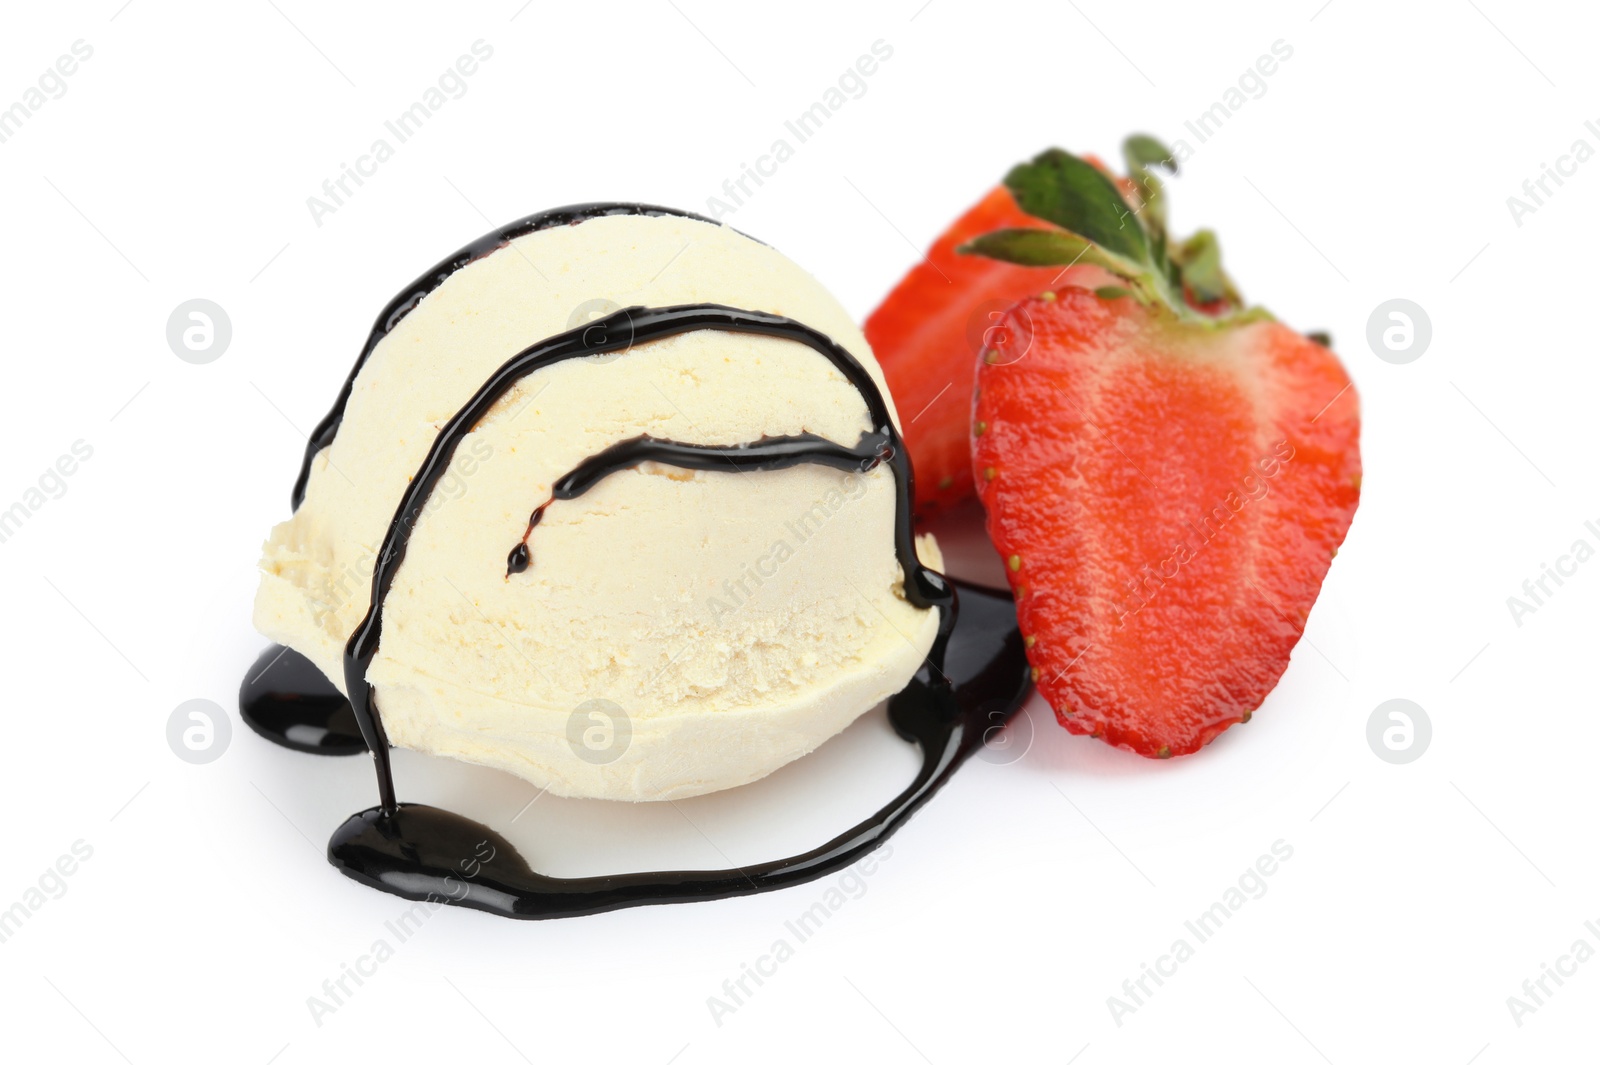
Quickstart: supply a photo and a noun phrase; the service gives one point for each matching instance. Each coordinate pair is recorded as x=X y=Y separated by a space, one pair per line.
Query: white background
x=1376 y=165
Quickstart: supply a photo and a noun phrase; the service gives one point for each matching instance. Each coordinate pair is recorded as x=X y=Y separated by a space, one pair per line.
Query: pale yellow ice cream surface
x=736 y=620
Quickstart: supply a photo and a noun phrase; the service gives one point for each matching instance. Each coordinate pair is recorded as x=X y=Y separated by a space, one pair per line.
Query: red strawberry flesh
x=1167 y=494
x=928 y=333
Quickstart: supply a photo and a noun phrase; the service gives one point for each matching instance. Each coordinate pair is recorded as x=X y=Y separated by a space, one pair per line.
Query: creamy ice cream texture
x=677 y=632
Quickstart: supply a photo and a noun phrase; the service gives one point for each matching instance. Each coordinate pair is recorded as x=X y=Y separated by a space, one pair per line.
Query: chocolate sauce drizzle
x=623 y=331
x=768 y=453
x=407 y=300
x=421 y=852
x=974 y=679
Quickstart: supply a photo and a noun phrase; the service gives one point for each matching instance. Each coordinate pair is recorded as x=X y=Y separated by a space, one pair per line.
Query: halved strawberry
x=1166 y=488
x=929 y=330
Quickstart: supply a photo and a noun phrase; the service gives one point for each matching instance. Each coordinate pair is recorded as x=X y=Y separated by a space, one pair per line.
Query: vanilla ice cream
x=729 y=622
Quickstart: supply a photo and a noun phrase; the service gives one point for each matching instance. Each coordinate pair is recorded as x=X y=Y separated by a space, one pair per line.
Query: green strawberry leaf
x=1199 y=261
x=1161 y=259
x=1104 y=229
x=1061 y=188
x=1142 y=154
x=1142 y=151
x=1045 y=247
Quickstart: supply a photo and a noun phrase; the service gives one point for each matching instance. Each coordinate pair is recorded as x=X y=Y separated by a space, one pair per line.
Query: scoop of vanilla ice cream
x=677 y=632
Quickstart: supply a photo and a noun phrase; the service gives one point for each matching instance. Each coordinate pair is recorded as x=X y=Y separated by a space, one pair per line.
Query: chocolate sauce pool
x=974 y=679
x=287 y=699
x=946 y=710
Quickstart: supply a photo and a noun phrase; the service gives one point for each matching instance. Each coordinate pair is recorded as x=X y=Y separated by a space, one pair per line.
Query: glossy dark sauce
x=629 y=330
x=288 y=700
x=974 y=679
x=768 y=453
x=406 y=301
x=419 y=852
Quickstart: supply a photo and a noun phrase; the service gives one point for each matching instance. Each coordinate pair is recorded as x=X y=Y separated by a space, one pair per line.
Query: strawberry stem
x=1095 y=223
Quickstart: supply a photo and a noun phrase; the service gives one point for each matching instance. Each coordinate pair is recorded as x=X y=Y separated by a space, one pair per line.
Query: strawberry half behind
x=929 y=330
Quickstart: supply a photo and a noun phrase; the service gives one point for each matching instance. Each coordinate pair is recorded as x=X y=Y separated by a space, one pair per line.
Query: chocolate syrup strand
x=406 y=301
x=768 y=453
x=619 y=332
x=420 y=852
